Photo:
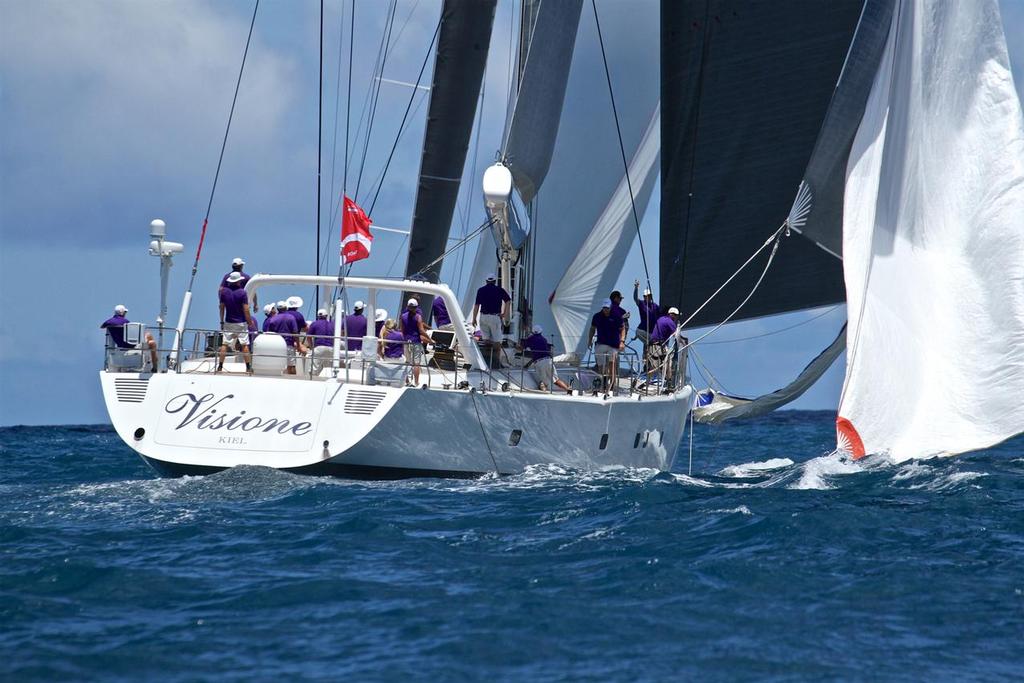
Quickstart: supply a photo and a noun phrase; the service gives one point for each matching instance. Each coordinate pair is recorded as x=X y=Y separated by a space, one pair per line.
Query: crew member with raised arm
x=235 y=320
x=611 y=338
x=648 y=317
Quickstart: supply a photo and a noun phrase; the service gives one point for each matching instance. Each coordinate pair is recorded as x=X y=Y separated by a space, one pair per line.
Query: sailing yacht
x=864 y=151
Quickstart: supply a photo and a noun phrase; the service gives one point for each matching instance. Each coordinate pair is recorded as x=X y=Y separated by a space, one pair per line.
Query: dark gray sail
x=458 y=73
x=745 y=88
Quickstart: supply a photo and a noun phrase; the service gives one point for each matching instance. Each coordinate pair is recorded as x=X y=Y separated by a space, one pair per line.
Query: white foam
x=949 y=481
x=741 y=510
x=817 y=471
x=753 y=469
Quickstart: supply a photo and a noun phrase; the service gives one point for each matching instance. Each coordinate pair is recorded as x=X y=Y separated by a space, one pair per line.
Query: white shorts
x=235 y=332
x=545 y=370
x=605 y=354
x=414 y=353
x=290 y=355
x=490 y=327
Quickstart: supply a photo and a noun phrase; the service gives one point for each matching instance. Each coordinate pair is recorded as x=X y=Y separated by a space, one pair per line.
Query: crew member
x=492 y=303
x=662 y=333
x=611 y=338
x=392 y=339
x=236 y=267
x=114 y=326
x=414 y=331
x=294 y=304
x=355 y=327
x=538 y=349
x=283 y=323
x=235 y=320
x=380 y=316
x=439 y=312
x=648 y=317
x=322 y=332
x=270 y=312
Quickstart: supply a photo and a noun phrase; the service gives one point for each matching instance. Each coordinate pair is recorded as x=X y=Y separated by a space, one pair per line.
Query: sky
x=112 y=113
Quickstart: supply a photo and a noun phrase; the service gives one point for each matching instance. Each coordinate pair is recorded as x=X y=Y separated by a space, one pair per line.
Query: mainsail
x=458 y=72
x=932 y=244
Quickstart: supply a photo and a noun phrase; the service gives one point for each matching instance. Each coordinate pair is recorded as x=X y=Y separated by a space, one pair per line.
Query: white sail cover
x=594 y=270
x=933 y=241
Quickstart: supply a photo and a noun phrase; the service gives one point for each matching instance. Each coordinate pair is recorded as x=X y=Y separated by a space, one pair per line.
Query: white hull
x=196 y=423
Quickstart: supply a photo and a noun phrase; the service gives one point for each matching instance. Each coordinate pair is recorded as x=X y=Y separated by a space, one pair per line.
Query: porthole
x=513 y=439
x=636 y=441
x=139 y=433
x=604 y=442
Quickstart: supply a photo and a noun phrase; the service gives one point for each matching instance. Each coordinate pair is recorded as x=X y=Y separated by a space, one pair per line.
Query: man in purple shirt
x=234 y=320
x=236 y=267
x=648 y=310
x=283 y=323
x=439 y=312
x=380 y=316
x=114 y=326
x=355 y=327
x=269 y=311
x=491 y=307
x=294 y=304
x=611 y=338
x=321 y=331
x=617 y=309
x=538 y=350
x=414 y=331
x=657 y=350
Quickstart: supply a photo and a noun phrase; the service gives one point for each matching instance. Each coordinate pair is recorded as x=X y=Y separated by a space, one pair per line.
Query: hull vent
x=362 y=402
x=131 y=390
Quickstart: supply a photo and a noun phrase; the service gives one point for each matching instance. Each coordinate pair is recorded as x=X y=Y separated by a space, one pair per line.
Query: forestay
x=933 y=247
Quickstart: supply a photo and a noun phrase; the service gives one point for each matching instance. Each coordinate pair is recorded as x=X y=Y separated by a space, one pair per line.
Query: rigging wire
x=778 y=331
x=462 y=242
x=223 y=145
x=622 y=147
x=319 y=152
x=405 y=116
x=386 y=45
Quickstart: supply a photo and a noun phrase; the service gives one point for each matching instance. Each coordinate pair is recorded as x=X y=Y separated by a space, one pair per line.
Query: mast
x=319 y=151
x=460 y=60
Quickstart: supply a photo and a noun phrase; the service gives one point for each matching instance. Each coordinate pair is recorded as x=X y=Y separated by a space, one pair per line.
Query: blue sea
x=771 y=561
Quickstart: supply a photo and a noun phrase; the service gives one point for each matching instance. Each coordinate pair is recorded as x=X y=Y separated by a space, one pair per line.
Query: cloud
x=106 y=102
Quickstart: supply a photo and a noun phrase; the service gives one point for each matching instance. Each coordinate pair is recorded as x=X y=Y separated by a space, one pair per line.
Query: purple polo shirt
x=440 y=312
x=299 y=319
x=355 y=325
x=609 y=328
x=322 y=328
x=537 y=347
x=115 y=327
x=285 y=325
x=648 y=314
x=620 y=313
x=490 y=297
x=378 y=325
x=663 y=329
x=234 y=300
x=411 y=327
x=393 y=345
x=241 y=283
x=266 y=323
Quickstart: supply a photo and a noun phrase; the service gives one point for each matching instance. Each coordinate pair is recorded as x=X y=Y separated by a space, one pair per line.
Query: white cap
x=234 y=276
x=267 y=309
x=673 y=310
x=357 y=305
x=607 y=303
x=322 y=313
x=237 y=261
x=647 y=292
x=412 y=302
x=282 y=306
x=380 y=315
x=491 y=278
x=537 y=329
x=120 y=309
x=295 y=302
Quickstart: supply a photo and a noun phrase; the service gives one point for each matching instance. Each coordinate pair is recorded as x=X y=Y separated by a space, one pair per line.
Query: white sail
x=933 y=241
x=595 y=269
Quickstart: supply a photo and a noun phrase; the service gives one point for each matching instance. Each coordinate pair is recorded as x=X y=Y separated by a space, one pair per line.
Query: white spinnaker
x=933 y=241
x=594 y=271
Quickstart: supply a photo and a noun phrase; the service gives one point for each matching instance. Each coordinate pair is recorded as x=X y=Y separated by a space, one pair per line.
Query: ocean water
x=772 y=561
